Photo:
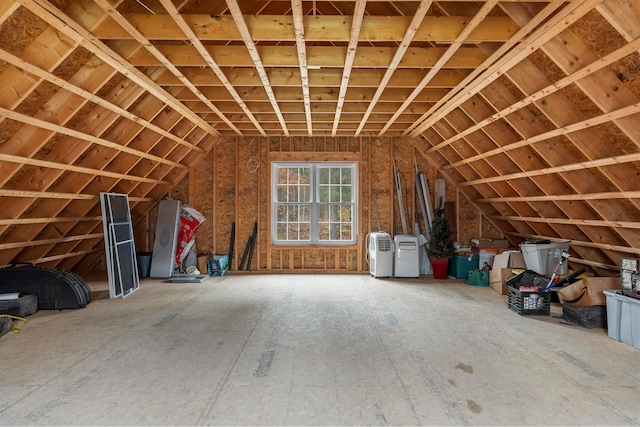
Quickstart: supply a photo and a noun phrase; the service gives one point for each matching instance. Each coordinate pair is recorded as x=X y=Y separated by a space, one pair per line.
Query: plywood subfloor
x=313 y=350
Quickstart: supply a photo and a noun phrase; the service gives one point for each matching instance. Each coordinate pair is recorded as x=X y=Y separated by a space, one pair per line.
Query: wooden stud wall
x=232 y=184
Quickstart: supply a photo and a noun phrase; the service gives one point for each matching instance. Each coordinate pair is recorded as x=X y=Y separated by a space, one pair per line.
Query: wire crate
x=529 y=303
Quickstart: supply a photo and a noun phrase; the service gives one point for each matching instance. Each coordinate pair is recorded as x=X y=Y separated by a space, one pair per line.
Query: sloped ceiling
x=530 y=108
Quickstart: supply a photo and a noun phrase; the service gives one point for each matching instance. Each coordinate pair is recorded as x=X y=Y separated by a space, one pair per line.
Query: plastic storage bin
x=623 y=318
x=544 y=257
x=461 y=265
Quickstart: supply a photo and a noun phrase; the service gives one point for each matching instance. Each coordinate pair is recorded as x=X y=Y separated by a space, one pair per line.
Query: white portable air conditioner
x=380 y=254
x=407 y=257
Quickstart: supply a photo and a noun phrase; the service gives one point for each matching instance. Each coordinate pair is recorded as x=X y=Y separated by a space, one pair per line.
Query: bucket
x=144 y=264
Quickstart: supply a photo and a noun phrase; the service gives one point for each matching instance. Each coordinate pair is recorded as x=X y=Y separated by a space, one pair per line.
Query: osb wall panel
x=232 y=184
x=224 y=196
x=468 y=220
x=201 y=198
x=248 y=198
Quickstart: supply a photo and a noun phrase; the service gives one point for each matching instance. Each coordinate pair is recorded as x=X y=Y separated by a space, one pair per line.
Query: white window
x=314 y=203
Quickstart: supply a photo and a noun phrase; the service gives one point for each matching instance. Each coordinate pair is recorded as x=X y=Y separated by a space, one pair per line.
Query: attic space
x=522 y=116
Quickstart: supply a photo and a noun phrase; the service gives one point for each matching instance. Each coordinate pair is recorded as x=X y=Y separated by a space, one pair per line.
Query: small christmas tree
x=440 y=245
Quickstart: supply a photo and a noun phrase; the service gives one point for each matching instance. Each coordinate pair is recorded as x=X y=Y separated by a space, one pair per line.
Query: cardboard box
x=493 y=243
x=509 y=259
x=498 y=279
x=503 y=266
x=592 y=291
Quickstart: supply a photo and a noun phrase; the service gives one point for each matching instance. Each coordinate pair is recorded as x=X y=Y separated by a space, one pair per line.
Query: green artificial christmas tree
x=440 y=248
x=440 y=245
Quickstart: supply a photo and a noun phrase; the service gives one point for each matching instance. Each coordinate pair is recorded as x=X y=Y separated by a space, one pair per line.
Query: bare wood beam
x=603 y=246
x=67 y=26
x=52 y=220
x=552 y=88
x=234 y=8
x=298 y=23
x=62 y=256
x=485 y=76
x=589 y=222
x=51 y=78
x=86 y=137
x=211 y=63
x=585 y=124
x=397 y=58
x=628 y=158
x=7 y=8
x=79 y=169
x=451 y=50
x=321 y=28
x=564 y=197
x=15 y=245
x=354 y=37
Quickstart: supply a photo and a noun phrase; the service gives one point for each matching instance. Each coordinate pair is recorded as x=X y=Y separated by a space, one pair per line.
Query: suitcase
x=56 y=289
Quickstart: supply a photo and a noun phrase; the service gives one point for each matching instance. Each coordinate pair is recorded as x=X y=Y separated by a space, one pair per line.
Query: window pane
x=282 y=193
x=292 y=213
x=334 y=212
x=305 y=232
x=282 y=231
x=335 y=175
x=305 y=193
x=281 y=213
x=305 y=176
x=323 y=213
x=346 y=193
x=346 y=213
x=334 y=191
x=346 y=175
x=324 y=194
x=335 y=231
x=282 y=175
x=305 y=213
x=324 y=176
x=323 y=230
x=292 y=230
x=293 y=194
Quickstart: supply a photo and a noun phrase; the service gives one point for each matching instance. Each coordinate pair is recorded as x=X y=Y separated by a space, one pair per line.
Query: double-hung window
x=314 y=203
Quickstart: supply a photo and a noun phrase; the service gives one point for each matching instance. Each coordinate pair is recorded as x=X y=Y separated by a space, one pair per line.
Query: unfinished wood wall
x=232 y=185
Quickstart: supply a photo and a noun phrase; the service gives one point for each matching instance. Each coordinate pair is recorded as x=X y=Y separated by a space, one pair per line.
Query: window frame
x=315 y=203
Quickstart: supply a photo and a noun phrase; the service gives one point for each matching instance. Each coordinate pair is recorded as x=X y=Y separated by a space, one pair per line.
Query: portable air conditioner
x=407 y=256
x=380 y=254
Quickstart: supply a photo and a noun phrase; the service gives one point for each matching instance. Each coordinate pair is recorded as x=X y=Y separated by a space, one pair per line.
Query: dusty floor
x=313 y=350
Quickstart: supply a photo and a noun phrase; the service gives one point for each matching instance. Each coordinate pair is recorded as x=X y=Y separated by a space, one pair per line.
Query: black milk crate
x=529 y=303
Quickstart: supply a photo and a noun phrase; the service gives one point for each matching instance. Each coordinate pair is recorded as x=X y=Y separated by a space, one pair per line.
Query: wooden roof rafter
x=354 y=38
x=397 y=57
x=234 y=8
x=486 y=8
x=298 y=23
x=486 y=75
x=68 y=27
x=211 y=63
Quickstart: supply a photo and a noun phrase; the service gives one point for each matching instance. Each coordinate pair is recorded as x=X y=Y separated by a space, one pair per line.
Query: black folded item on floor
x=56 y=289
x=21 y=306
x=591 y=317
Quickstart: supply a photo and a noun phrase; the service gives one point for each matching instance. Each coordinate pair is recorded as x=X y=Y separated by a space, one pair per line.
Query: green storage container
x=461 y=265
